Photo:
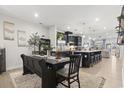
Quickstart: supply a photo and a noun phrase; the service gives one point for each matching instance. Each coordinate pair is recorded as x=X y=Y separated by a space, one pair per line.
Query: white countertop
x=88 y=51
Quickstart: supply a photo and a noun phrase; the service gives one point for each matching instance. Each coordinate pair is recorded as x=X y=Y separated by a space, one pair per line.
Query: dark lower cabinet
x=2 y=61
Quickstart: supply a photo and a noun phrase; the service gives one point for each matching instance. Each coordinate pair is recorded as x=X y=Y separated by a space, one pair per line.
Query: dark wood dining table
x=49 y=80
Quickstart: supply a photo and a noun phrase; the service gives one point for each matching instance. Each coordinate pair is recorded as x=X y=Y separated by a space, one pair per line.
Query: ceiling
x=79 y=18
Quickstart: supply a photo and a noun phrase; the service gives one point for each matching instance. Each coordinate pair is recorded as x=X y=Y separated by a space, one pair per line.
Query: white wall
x=52 y=35
x=13 y=52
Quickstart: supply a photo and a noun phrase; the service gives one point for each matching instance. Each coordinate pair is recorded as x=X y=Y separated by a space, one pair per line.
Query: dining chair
x=70 y=74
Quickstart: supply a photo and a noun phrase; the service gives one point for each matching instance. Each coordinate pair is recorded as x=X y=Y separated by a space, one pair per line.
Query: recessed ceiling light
x=36 y=15
x=107 y=34
x=94 y=39
x=90 y=38
x=104 y=28
x=97 y=19
x=83 y=36
x=68 y=27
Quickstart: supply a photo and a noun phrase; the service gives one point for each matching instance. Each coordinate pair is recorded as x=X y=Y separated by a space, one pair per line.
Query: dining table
x=49 y=78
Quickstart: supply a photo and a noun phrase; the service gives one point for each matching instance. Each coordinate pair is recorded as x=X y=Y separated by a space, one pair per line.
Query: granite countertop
x=81 y=51
x=89 y=51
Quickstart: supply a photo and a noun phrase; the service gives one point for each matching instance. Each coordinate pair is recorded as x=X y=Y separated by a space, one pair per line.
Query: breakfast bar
x=89 y=58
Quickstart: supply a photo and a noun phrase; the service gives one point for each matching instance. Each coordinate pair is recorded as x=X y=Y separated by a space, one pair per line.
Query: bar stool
x=92 y=61
x=96 y=58
x=85 y=62
x=100 y=57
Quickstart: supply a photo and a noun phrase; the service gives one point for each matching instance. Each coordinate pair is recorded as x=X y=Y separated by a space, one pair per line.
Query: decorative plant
x=60 y=36
x=47 y=47
x=34 y=40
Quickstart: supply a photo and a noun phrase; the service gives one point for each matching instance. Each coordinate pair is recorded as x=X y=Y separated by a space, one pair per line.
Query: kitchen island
x=89 y=58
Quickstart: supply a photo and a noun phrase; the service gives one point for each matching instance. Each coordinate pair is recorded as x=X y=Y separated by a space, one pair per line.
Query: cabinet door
x=2 y=61
x=79 y=41
x=0 y=64
x=71 y=39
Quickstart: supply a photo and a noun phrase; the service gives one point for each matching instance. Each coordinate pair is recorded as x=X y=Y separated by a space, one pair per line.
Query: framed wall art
x=9 y=30
x=21 y=37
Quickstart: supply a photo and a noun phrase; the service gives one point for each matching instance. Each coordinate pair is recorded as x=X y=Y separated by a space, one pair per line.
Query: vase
x=48 y=53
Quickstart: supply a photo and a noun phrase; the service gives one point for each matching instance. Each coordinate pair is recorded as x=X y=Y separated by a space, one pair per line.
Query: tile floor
x=109 y=68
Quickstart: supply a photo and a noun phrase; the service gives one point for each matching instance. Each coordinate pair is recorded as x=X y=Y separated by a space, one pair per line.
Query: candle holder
x=58 y=54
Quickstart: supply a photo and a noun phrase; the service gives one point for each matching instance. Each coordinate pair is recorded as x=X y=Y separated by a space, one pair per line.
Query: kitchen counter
x=89 y=51
x=89 y=58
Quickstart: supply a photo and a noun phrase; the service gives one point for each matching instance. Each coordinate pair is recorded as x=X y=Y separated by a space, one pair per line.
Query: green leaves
x=60 y=36
x=34 y=39
x=47 y=47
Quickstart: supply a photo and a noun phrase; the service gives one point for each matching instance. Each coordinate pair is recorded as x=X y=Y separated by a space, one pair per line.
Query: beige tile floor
x=109 y=68
x=5 y=81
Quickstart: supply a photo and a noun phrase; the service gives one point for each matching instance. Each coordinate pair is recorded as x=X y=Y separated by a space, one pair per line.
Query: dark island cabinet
x=2 y=61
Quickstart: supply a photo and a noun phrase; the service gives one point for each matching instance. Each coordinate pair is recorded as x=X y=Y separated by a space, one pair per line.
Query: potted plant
x=34 y=41
x=47 y=48
x=60 y=36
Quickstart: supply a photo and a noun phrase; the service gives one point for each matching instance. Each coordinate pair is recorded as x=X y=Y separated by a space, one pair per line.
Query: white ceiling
x=80 y=18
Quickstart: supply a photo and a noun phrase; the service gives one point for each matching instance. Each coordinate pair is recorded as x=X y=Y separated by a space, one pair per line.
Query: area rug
x=34 y=81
